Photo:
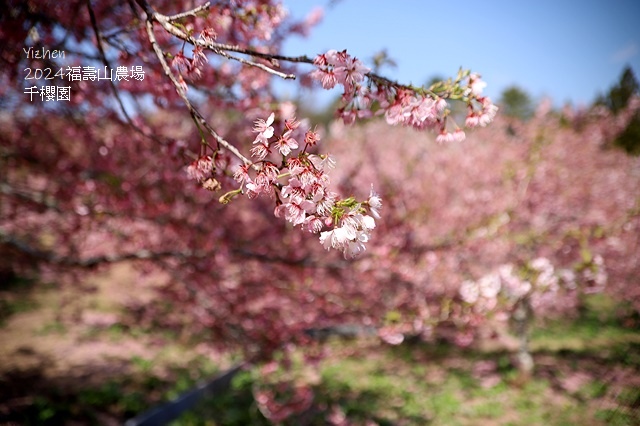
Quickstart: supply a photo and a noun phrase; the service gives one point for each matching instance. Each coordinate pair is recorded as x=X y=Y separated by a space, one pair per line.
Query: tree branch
x=50 y=257
x=193 y=12
x=105 y=61
x=181 y=92
x=116 y=93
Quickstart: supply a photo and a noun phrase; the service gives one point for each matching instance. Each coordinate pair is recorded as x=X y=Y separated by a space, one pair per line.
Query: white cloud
x=625 y=53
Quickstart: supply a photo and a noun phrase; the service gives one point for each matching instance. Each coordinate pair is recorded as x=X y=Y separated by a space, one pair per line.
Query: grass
x=424 y=384
x=115 y=399
x=375 y=384
x=587 y=373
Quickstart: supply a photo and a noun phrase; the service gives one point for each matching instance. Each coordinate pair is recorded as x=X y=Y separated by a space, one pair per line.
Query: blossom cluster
x=336 y=67
x=538 y=280
x=405 y=105
x=300 y=186
x=192 y=67
x=508 y=286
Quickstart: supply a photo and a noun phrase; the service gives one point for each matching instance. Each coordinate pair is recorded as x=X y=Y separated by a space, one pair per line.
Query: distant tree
x=617 y=100
x=620 y=94
x=629 y=139
x=516 y=103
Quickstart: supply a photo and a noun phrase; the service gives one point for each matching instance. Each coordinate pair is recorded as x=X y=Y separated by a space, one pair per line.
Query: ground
x=66 y=358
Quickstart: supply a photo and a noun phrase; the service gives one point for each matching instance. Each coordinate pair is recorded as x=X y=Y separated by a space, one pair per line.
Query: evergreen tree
x=516 y=103
x=616 y=100
x=619 y=95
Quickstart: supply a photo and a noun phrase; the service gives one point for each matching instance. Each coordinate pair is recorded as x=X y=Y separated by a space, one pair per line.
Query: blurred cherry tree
x=149 y=132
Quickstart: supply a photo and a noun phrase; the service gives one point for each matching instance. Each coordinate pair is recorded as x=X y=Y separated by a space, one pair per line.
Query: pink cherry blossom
x=327 y=78
x=241 y=174
x=208 y=35
x=260 y=150
x=199 y=59
x=322 y=162
x=181 y=62
x=264 y=129
x=201 y=169
x=336 y=238
x=476 y=85
x=375 y=203
x=350 y=72
x=296 y=212
x=286 y=144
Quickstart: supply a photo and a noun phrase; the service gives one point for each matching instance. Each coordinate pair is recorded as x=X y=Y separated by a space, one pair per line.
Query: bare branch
x=258 y=65
x=105 y=61
x=271 y=56
x=221 y=49
x=192 y=12
x=57 y=259
x=116 y=93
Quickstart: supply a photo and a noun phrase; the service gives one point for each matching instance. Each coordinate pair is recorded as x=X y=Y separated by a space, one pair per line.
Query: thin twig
x=181 y=92
x=220 y=49
x=114 y=88
x=257 y=65
x=105 y=61
x=233 y=48
x=192 y=12
x=57 y=259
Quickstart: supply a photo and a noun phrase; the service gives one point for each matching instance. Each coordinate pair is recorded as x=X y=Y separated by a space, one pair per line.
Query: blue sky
x=567 y=50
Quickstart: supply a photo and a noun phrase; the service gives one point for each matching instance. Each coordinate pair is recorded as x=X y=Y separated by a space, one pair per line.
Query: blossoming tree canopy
x=224 y=54
x=282 y=167
x=153 y=97
x=159 y=141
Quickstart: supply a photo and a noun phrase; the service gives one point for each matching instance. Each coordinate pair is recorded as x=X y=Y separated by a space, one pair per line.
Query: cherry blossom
x=375 y=203
x=264 y=129
x=422 y=108
x=201 y=169
x=286 y=143
x=194 y=193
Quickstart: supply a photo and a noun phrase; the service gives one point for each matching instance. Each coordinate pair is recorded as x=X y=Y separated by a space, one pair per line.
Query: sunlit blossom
x=264 y=129
x=375 y=203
